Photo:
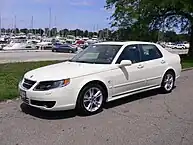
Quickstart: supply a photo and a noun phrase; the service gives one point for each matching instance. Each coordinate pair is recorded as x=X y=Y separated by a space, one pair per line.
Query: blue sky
x=83 y=14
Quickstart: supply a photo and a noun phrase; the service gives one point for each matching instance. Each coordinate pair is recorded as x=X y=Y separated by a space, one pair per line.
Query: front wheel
x=70 y=51
x=168 y=82
x=90 y=100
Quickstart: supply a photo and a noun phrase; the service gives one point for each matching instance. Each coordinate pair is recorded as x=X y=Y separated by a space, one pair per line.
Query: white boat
x=15 y=46
x=70 y=39
x=20 y=45
x=44 y=44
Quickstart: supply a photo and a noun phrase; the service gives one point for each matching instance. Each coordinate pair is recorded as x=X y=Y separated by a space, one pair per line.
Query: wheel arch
x=95 y=81
x=170 y=69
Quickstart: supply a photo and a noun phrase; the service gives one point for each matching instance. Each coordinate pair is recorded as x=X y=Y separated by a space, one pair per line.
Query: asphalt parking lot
x=24 y=56
x=149 y=118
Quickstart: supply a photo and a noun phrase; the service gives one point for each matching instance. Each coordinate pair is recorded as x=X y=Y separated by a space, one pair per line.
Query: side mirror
x=125 y=63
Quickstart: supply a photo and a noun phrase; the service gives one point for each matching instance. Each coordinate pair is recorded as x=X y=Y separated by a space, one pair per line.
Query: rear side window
x=149 y=52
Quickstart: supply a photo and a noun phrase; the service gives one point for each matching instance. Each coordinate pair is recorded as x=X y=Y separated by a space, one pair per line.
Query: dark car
x=57 y=47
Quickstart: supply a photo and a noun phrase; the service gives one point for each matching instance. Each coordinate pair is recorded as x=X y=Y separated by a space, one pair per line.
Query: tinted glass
x=149 y=52
x=131 y=52
x=98 y=53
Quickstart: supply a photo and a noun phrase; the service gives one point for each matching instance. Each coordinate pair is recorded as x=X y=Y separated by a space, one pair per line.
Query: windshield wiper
x=80 y=61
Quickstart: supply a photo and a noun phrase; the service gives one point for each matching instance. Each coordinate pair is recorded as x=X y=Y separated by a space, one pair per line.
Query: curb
x=187 y=69
x=23 y=51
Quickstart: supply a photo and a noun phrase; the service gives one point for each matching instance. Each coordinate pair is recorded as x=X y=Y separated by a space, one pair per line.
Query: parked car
x=101 y=73
x=64 y=48
x=179 y=46
x=187 y=45
x=80 y=43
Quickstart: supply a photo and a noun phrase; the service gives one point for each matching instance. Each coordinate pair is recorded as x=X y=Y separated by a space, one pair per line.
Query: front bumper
x=52 y=100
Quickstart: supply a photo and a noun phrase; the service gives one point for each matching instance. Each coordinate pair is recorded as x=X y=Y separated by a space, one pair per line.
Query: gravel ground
x=145 y=119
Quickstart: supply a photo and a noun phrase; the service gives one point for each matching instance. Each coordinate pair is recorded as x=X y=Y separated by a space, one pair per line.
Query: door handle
x=140 y=66
x=163 y=61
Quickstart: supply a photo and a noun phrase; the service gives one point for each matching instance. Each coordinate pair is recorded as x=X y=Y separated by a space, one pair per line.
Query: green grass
x=12 y=73
x=187 y=62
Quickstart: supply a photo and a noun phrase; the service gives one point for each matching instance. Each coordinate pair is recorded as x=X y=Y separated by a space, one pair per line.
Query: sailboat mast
x=15 y=26
x=50 y=15
x=0 y=23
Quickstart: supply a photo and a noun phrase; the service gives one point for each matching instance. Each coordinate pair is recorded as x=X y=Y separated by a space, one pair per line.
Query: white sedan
x=101 y=73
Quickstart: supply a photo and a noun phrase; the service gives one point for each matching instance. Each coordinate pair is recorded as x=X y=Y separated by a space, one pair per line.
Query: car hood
x=65 y=70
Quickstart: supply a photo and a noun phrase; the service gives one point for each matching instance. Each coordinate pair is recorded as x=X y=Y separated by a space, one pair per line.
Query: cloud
x=81 y=2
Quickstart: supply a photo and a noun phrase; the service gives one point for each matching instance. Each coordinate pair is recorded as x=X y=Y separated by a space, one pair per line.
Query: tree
x=3 y=30
x=40 y=31
x=85 y=33
x=90 y=34
x=24 y=30
x=171 y=36
x=16 y=30
x=53 y=31
x=155 y=14
x=47 y=31
x=63 y=32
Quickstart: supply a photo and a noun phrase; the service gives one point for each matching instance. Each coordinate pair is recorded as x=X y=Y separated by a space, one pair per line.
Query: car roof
x=123 y=43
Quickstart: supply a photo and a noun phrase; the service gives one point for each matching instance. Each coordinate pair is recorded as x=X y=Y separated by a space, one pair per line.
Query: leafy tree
x=90 y=34
x=155 y=14
x=171 y=36
x=95 y=33
x=16 y=30
x=53 y=31
x=40 y=31
x=85 y=33
x=25 y=30
x=47 y=31
x=64 y=32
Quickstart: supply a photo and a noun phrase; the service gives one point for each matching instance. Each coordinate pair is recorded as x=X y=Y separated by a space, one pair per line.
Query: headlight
x=48 y=85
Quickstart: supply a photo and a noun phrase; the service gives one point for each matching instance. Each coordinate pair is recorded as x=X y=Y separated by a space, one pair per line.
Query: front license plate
x=23 y=96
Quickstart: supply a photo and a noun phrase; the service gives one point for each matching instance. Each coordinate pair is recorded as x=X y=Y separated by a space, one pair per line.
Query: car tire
x=168 y=82
x=70 y=51
x=87 y=105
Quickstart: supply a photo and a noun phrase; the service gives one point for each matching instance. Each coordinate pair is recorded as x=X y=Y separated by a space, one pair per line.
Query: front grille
x=47 y=104
x=27 y=84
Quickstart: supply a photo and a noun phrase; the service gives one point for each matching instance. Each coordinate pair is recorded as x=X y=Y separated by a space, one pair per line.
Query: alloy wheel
x=93 y=99
x=168 y=82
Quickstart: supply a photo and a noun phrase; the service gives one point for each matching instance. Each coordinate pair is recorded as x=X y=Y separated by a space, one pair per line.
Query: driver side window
x=130 y=52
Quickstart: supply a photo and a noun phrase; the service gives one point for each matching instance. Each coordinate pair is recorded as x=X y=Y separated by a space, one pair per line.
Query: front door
x=129 y=78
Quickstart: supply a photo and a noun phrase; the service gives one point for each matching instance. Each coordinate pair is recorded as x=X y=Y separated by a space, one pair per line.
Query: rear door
x=154 y=64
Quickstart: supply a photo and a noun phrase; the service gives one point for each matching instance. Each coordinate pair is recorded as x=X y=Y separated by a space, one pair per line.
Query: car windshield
x=98 y=54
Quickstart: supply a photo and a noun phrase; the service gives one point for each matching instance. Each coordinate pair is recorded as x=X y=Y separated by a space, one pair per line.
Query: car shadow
x=131 y=98
x=48 y=115
x=55 y=115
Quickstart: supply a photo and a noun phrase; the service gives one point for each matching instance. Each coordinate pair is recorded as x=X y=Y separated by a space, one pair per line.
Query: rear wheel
x=91 y=99
x=70 y=51
x=168 y=82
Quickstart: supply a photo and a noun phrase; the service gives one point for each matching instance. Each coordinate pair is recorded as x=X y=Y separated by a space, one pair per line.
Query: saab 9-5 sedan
x=101 y=73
